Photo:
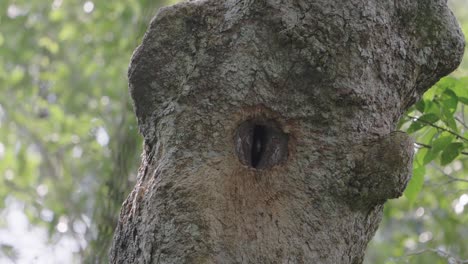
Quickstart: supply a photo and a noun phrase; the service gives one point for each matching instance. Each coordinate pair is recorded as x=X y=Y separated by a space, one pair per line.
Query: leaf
x=429 y=118
x=420 y=106
x=430 y=133
x=442 y=142
x=422 y=121
x=420 y=154
x=447 y=82
x=438 y=145
x=449 y=120
x=449 y=101
x=415 y=126
x=461 y=87
x=431 y=107
x=463 y=100
x=416 y=183
x=429 y=94
x=450 y=153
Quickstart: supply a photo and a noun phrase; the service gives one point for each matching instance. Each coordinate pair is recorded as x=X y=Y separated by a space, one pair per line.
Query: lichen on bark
x=333 y=76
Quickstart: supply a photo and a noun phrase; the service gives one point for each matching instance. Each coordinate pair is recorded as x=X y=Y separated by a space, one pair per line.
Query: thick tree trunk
x=269 y=124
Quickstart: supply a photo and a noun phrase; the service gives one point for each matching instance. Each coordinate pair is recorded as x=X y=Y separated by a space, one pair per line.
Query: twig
x=461 y=122
x=440 y=253
x=422 y=145
x=452 y=178
x=437 y=127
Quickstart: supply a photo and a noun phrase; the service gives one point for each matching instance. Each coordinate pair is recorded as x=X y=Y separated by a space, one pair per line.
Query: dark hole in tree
x=258 y=144
x=261 y=144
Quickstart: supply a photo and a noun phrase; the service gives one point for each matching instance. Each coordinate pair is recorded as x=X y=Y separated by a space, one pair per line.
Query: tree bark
x=269 y=126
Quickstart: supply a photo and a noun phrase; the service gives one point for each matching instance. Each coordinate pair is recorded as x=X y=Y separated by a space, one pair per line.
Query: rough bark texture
x=269 y=126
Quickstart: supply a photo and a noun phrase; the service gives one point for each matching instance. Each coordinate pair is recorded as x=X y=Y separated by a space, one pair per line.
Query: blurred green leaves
x=69 y=143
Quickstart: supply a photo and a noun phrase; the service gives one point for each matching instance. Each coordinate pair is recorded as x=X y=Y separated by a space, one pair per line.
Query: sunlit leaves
x=441 y=112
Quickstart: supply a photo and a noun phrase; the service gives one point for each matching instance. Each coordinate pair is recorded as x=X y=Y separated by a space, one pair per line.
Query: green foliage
x=69 y=145
x=416 y=183
x=441 y=115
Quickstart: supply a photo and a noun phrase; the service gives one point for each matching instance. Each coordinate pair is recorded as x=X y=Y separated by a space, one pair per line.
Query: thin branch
x=422 y=145
x=455 y=178
x=437 y=127
x=452 y=178
x=440 y=253
x=461 y=122
x=462 y=112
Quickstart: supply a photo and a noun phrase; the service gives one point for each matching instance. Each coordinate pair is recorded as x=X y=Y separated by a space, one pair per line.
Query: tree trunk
x=269 y=126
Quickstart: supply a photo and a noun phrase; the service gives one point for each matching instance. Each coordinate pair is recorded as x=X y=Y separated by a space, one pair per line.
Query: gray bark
x=269 y=126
